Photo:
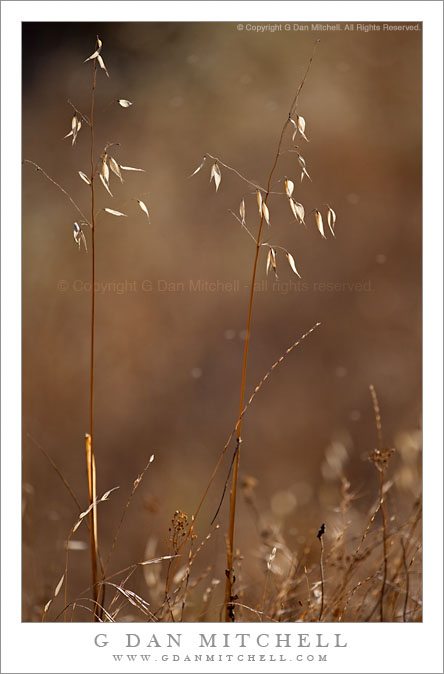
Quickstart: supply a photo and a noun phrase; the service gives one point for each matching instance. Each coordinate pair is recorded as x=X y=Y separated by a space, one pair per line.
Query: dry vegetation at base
x=361 y=571
x=353 y=556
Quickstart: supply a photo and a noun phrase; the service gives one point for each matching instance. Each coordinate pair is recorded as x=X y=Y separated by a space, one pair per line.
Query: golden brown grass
x=99 y=169
x=297 y=123
x=356 y=572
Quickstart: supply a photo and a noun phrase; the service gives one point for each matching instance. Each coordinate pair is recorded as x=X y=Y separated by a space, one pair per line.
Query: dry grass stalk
x=90 y=460
x=380 y=458
x=99 y=169
x=262 y=194
x=56 y=184
x=94 y=537
x=230 y=437
x=136 y=484
x=320 y=535
x=57 y=470
x=82 y=517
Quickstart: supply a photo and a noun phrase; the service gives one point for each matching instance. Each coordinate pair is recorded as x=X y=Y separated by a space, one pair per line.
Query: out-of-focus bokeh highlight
x=169 y=348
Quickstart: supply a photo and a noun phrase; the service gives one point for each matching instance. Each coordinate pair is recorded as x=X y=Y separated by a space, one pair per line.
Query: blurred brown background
x=168 y=364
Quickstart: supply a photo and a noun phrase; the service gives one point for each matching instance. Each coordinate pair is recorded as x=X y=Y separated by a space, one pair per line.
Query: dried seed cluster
x=381 y=457
x=107 y=162
x=297 y=209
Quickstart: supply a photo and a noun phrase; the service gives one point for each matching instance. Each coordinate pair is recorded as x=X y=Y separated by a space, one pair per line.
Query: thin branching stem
x=243 y=225
x=62 y=189
x=407 y=581
x=91 y=465
x=380 y=464
x=57 y=470
x=93 y=259
x=230 y=437
x=230 y=168
x=116 y=535
x=321 y=566
x=84 y=117
x=384 y=543
x=377 y=412
x=229 y=606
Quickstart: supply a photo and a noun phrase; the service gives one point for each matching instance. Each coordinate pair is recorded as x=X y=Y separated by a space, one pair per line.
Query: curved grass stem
x=229 y=575
x=90 y=460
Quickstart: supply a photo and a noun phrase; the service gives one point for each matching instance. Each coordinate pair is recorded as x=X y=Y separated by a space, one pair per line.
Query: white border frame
x=60 y=648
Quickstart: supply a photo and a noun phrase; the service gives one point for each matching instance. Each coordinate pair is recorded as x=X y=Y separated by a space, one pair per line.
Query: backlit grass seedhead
x=79 y=236
x=216 y=175
x=262 y=198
